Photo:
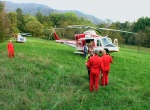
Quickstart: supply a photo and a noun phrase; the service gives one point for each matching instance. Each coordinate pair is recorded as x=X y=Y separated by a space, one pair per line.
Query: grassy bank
x=45 y=75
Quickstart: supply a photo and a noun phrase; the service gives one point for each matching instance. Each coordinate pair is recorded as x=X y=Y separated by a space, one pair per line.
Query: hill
x=46 y=75
x=33 y=8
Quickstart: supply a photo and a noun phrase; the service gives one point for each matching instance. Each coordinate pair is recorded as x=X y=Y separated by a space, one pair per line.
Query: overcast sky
x=115 y=10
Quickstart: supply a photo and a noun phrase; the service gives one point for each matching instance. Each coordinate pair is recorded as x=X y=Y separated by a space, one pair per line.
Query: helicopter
x=20 y=37
x=90 y=38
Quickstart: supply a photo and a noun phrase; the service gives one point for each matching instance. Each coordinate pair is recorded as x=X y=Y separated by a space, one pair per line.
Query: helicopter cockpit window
x=98 y=43
x=106 y=41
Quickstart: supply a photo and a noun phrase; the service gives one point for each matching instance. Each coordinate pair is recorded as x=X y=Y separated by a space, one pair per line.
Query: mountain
x=33 y=8
x=92 y=18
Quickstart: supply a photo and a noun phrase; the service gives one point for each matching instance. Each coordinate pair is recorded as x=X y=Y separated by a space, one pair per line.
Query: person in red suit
x=10 y=48
x=95 y=65
x=107 y=60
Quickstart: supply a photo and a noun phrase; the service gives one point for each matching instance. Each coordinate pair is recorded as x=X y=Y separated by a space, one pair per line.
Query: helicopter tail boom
x=56 y=36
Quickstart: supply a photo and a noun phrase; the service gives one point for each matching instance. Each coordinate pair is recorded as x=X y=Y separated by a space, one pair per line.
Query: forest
x=17 y=22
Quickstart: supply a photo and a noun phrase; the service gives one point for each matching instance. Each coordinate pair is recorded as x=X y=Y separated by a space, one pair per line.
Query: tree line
x=15 y=22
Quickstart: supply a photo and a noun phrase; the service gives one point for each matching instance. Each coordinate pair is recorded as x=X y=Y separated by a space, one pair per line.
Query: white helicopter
x=90 y=37
x=20 y=37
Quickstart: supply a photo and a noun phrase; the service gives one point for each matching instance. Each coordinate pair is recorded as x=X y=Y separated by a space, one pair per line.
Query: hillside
x=46 y=75
x=33 y=8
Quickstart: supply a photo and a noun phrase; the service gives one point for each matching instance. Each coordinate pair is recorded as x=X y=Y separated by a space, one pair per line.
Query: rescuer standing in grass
x=10 y=48
x=89 y=55
x=107 y=60
x=95 y=65
x=85 y=50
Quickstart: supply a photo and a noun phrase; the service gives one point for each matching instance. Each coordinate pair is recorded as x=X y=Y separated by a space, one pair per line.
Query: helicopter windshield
x=106 y=41
x=110 y=40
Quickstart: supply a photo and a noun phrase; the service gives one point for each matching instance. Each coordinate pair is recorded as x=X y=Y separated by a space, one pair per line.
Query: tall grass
x=45 y=75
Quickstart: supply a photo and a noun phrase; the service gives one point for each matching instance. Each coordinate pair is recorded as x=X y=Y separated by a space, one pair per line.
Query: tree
x=35 y=27
x=142 y=26
x=83 y=21
x=56 y=19
x=39 y=17
x=20 y=20
x=70 y=17
x=147 y=39
x=4 y=23
x=13 y=22
x=46 y=19
x=127 y=26
x=115 y=35
x=139 y=39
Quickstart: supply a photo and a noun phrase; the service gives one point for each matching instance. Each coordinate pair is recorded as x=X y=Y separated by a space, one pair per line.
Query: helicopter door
x=90 y=42
x=99 y=43
x=116 y=42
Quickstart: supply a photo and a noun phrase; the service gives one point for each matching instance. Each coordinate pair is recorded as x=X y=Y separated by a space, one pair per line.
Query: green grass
x=45 y=75
x=135 y=48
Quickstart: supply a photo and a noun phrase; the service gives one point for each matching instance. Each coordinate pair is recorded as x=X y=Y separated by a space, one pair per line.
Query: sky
x=115 y=10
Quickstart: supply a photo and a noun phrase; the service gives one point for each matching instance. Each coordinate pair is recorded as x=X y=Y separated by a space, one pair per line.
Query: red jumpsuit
x=106 y=63
x=10 y=48
x=95 y=64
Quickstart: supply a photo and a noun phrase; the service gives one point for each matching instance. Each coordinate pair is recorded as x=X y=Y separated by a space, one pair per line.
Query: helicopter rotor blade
x=116 y=30
x=98 y=31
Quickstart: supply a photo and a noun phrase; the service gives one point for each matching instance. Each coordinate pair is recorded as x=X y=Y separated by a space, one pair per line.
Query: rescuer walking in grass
x=95 y=65
x=107 y=60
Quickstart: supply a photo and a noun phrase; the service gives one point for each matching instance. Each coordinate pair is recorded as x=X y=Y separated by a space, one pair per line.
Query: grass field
x=45 y=75
x=135 y=48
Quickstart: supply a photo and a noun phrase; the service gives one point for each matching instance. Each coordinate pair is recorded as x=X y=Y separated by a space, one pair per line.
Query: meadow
x=45 y=75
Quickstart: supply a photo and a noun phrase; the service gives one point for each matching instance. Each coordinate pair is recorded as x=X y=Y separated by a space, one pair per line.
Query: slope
x=47 y=75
